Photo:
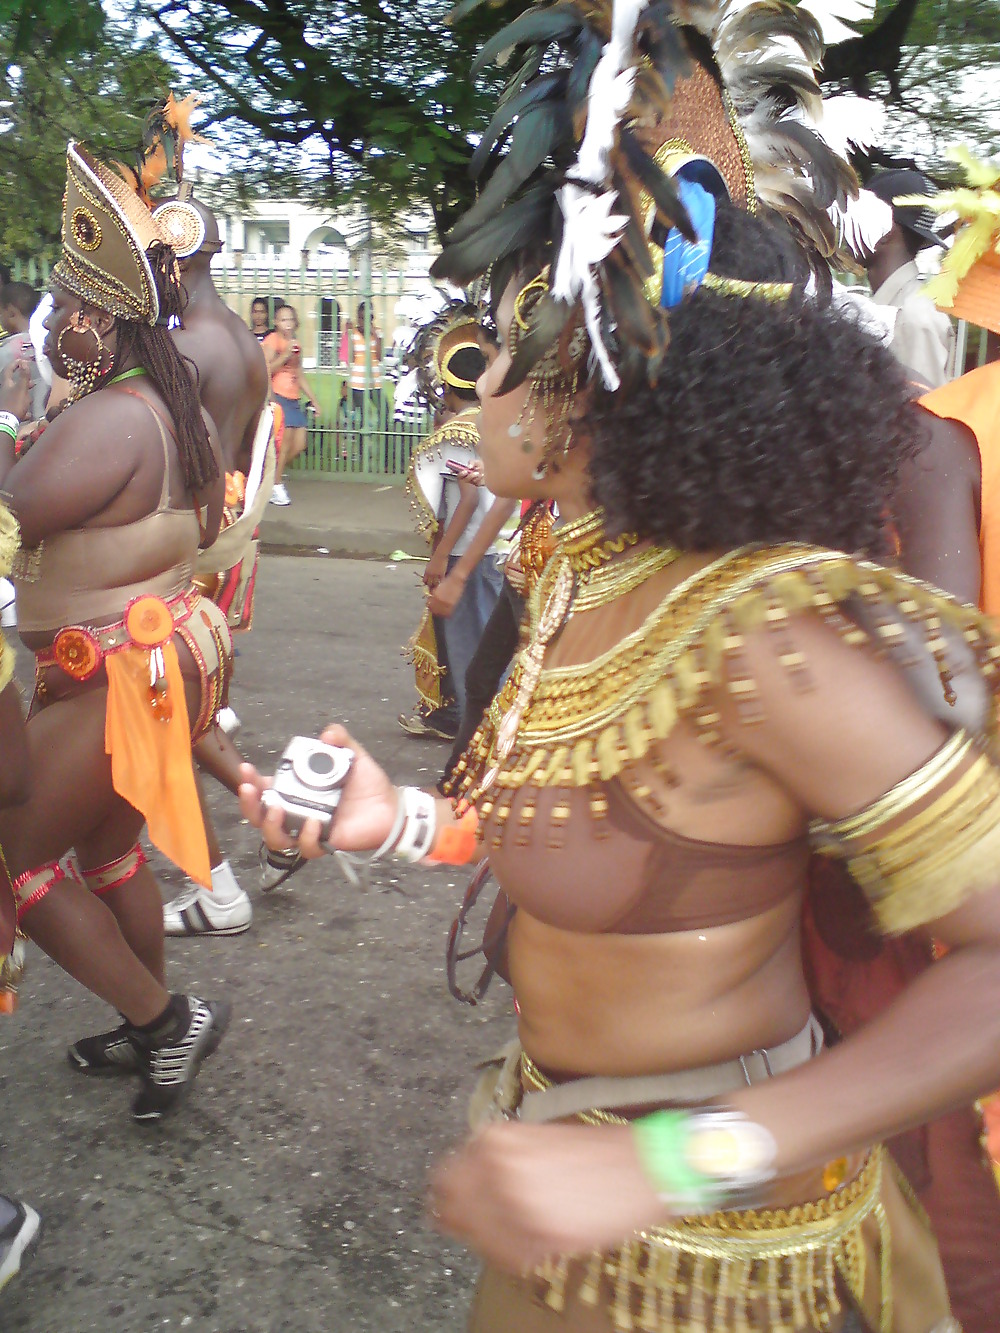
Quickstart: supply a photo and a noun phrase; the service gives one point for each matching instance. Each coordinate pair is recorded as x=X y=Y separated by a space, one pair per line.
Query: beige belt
x=561 y=1100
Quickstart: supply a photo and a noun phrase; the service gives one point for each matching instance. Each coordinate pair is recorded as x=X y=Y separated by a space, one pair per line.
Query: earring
x=83 y=375
x=541 y=471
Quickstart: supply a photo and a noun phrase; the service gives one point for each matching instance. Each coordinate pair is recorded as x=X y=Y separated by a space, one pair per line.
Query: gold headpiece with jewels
x=106 y=233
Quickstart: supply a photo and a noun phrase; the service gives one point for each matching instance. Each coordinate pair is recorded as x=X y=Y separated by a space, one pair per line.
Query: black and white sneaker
x=169 y=1064
x=18 y=1229
x=107 y=1053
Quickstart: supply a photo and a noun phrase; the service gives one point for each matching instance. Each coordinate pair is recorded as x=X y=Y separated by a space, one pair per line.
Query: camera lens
x=321 y=764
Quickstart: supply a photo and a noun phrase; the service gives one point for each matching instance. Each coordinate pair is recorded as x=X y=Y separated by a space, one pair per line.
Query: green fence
x=365 y=433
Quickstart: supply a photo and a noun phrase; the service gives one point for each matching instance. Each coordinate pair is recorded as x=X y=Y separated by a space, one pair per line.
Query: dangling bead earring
x=83 y=375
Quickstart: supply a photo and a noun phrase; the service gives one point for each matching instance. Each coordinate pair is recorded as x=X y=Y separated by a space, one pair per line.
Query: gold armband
x=929 y=843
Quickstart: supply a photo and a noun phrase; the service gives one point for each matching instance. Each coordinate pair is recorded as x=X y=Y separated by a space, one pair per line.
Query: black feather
x=548 y=319
x=588 y=54
x=508 y=111
x=635 y=319
x=539 y=25
x=534 y=137
x=508 y=230
x=661 y=41
x=525 y=73
x=657 y=185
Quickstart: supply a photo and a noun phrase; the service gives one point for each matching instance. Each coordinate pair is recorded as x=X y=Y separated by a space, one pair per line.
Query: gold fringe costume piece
x=579 y=726
x=716 y=1274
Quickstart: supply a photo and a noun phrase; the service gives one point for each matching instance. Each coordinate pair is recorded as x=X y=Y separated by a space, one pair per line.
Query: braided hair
x=174 y=376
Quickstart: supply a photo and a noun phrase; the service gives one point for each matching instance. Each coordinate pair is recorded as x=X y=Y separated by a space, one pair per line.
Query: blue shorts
x=292 y=408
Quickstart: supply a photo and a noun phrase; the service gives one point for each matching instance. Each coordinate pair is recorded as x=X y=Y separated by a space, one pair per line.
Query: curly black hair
x=770 y=421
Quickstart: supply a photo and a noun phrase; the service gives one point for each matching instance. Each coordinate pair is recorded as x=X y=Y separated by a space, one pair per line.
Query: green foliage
x=341 y=99
x=74 y=77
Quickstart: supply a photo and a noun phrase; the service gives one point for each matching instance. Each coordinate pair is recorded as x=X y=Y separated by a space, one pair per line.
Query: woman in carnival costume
x=713 y=682
x=130 y=662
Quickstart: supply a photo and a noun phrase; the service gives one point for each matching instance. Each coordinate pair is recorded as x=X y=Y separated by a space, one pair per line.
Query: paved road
x=286 y=1194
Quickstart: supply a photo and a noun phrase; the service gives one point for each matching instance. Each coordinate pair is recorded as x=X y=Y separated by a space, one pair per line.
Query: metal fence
x=366 y=432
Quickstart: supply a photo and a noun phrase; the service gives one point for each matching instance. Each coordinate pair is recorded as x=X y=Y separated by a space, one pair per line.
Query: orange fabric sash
x=151 y=758
x=974 y=400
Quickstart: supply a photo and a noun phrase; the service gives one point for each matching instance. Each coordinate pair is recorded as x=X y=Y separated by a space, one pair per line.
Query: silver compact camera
x=308 y=783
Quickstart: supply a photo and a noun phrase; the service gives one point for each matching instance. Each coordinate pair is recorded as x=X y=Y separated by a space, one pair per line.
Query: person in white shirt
x=923 y=337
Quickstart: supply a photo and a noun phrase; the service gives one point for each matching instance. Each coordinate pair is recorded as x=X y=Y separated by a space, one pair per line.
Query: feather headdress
x=968 y=284
x=602 y=95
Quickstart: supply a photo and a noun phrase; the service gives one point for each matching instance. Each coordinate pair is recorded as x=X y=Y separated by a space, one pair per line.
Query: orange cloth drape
x=974 y=400
x=151 y=759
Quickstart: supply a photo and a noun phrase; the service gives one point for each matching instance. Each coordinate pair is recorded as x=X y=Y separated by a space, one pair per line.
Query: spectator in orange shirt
x=283 y=352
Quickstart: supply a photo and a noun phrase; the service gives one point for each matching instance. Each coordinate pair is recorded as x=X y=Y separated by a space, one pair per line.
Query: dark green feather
x=510 y=109
x=525 y=220
x=657 y=185
x=541 y=25
x=534 y=137
x=548 y=319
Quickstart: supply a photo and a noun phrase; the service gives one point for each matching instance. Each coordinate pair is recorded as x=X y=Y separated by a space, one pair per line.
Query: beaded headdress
x=589 y=154
x=968 y=285
x=435 y=346
x=107 y=232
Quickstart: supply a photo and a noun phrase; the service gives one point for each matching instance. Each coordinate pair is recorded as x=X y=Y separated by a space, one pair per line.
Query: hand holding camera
x=361 y=797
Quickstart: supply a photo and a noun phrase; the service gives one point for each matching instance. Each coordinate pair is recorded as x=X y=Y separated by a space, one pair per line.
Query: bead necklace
x=581 y=580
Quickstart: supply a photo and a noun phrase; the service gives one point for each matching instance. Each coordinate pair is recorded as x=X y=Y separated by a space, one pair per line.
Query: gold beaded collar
x=584 y=544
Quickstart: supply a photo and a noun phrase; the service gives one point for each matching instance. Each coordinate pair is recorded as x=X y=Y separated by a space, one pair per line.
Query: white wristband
x=10 y=423
x=394 y=832
x=419 y=826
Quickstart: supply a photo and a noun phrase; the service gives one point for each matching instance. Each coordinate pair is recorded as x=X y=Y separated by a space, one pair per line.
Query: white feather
x=862 y=222
x=850 y=122
x=590 y=230
x=833 y=16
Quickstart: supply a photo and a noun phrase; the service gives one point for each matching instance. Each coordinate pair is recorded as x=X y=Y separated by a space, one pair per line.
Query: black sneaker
x=169 y=1066
x=16 y=1236
x=107 y=1053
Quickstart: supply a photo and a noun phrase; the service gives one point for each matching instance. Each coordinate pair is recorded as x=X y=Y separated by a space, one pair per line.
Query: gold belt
x=716 y=1274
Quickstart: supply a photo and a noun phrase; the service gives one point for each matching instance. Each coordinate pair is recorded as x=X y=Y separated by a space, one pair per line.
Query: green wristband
x=661 y=1144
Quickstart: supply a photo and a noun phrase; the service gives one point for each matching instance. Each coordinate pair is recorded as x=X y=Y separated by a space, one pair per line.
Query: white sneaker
x=279 y=495
x=195 y=913
x=8 y=607
x=228 y=721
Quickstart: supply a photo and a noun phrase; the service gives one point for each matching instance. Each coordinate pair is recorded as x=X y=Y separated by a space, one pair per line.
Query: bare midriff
x=632 y=953
x=647 y=1004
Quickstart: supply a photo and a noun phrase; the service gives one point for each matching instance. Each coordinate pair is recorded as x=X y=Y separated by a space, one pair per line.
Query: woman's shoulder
x=742 y=632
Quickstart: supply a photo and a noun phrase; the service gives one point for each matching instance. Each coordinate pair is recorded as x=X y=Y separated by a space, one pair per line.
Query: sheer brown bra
x=635 y=877
x=89 y=575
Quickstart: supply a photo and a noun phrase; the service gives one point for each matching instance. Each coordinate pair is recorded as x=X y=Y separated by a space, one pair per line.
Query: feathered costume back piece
x=605 y=96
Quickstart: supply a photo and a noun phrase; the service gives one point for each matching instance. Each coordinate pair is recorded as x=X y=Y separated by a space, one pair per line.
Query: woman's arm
x=437 y=565
x=72 y=474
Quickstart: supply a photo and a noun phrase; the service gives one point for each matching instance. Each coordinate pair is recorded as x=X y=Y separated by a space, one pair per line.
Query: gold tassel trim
x=600 y=716
x=714 y=1274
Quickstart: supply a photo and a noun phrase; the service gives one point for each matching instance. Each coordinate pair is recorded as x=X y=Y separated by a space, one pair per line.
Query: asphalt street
x=286 y=1193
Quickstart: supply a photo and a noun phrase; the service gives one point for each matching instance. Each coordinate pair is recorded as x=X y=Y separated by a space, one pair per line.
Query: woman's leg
x=73 y=804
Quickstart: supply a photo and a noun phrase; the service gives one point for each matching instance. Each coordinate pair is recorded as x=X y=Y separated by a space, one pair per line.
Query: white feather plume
x=850 y=122
x=590 y=230
x=833 y=17
x=862 y=222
